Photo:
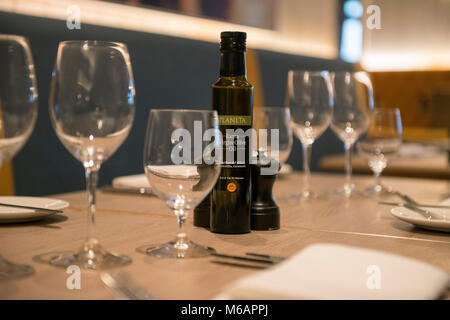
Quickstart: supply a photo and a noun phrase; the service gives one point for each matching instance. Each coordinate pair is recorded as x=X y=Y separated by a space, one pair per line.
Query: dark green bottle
x=202 y=213
x=233 y=100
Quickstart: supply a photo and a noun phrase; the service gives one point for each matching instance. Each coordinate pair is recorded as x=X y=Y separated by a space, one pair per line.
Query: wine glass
x=278 y=118
x=353 y=95
x=92 y=111
x=383 y=139
x=18 y=113
x=310 y=100
x=180 y=163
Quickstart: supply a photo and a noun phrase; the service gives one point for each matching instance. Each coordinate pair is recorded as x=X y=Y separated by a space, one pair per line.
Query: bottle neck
x=232 y=64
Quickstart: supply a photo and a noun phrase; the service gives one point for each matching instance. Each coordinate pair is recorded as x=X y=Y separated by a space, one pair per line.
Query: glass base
x=304 y=195
x=10 y=270
x=179 y=250
x=346 y=191
x=377 y=190
x=90 y=256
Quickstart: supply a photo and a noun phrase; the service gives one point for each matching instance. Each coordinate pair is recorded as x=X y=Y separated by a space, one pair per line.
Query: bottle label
x=231 y=187
x=227 y=120
x=236 y=140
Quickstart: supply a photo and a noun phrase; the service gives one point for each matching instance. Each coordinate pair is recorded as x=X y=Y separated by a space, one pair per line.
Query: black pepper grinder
x=265 y=214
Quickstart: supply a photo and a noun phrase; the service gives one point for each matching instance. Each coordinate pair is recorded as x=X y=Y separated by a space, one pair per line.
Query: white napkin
x=137 y=181
x=140 y=181
x=329 y=271
x=417 y=150
x=182 y=171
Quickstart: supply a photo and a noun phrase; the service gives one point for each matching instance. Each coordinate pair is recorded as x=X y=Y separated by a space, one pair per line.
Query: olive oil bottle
x=232 y=98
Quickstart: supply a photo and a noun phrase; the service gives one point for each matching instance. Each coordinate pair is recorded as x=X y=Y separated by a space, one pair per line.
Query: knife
x=123 y=286
x=415 y=205
x=241 y=264
x=243 y=258
x=406 y=198
x=266 y=256
x=32 y=208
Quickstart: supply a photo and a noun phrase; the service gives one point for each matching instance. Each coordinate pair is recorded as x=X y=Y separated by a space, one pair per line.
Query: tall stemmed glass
x=92 y=111
x=18 y=113
x=310 y=100
x=353 y=95
x=383 y=139
x=180 y=163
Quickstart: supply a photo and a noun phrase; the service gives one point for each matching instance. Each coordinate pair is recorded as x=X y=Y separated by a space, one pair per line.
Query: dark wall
x=169 y=73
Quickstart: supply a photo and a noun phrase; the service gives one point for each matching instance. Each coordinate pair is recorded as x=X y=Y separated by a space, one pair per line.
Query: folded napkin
x=417 y=150
x=137 y=181
x=328 y=271
x=182 y=171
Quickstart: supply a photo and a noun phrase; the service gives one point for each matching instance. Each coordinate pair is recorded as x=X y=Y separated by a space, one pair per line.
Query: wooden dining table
x=126 y=222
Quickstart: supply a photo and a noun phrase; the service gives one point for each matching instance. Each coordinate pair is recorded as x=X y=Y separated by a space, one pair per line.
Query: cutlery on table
x=123 y=286
x=244 y=258
x=406 y=198
x=252 y=260
x=266 y=256
x=138 y=191
x=32 y=208
x=241 y=264
x=438 y=206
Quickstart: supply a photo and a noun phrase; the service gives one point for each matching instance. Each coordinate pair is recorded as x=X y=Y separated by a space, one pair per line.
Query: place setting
x=25 y=209
x=431 y=217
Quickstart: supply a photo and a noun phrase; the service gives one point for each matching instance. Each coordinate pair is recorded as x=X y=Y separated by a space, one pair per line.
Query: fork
x=252 y=260
x=406 y=198
x=266 y=256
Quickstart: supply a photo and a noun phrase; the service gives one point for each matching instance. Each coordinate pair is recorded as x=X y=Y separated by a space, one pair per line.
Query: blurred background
x=173 y=44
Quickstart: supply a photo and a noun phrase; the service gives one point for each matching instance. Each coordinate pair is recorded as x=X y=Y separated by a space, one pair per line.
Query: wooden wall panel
x=416 y=93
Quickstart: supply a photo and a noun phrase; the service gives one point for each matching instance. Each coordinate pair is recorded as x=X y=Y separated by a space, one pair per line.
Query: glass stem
x=306 y=167
x=91 y=187
x=377 y=175
x=348 y=165
x=181 y=241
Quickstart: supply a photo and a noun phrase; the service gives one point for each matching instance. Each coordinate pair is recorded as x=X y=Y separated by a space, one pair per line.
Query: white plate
x=419 y=220
x=10 y=214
